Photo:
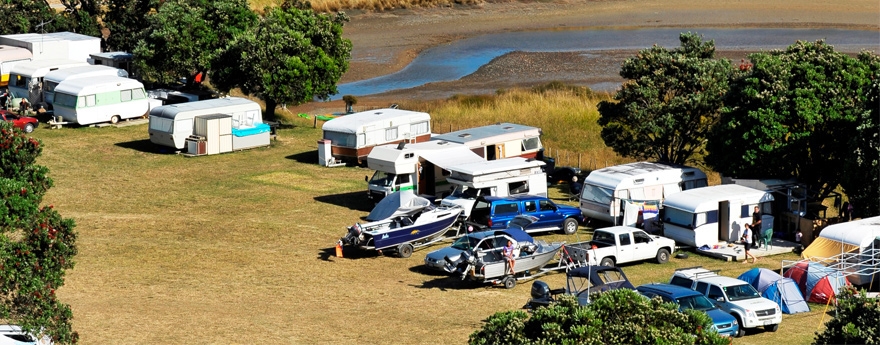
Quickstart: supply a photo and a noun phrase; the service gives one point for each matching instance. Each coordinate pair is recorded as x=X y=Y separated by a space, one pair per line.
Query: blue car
x=495 y=212
x=722 y=321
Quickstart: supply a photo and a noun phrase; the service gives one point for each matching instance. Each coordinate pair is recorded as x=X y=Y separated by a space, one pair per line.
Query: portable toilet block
x=217 y=131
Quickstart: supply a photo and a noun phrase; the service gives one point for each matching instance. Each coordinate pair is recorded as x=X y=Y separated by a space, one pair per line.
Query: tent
x=784 y=291
x=818 y=283
x=848 y=237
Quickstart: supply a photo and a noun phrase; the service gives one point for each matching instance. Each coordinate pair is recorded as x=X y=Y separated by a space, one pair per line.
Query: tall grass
x=367 y=5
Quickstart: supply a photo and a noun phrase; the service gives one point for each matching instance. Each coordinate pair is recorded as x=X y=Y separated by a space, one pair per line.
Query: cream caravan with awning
x=852 y=247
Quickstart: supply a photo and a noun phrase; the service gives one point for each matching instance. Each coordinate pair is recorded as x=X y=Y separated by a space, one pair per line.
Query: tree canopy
x=614 y=317
x=37 y=245
x=292 y=56
x=861 y=179
x=794 y=113
x=669 y=102
x=22 y=16
x=127 y=21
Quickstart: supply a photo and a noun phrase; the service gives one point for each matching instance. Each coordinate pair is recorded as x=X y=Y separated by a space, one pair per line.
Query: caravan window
x=745 y=211
x=17 y=80
x=637 y=193
x=158 y=123
x=711 y=217
x=691 y=184
x=63 y=99
x=521 y=187
x=391 y=134
x=125 y=95
x=89 y=101
x=678 y=217
x=596 y=194
x=340 y=139
x=418 y=128
x=529 y=144
x=138 y=94
x=50 y=86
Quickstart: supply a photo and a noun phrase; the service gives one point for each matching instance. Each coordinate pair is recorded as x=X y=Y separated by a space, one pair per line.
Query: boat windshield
x=697 y=302
x=381 y=178
x=741 y=292
x=465 y=243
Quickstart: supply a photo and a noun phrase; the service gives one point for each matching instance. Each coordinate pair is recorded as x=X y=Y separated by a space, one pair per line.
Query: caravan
x=503 y=177
x=353 y=136
x=708 y=215
x=610 y=194
x=171 y=125
x=500 y=140
x=53 y=78
x=9 y=57
x=26 y=79
x=100 y=99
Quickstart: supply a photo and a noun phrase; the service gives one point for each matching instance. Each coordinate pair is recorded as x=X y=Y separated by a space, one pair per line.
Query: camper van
x=708 y=215
x=26 y=79
x=171 y=124
x=503 y=177
x=53 y=78
x=9 y=56
x=498 y=141
x=614 y=194
x=353 y=136
x=100 y=99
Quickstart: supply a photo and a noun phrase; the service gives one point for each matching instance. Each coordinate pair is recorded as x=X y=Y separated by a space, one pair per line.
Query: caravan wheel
x=114 y=119
x=405 y=250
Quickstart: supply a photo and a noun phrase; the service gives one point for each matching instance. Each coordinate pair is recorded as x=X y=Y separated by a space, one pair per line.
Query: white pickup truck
x=623 y=244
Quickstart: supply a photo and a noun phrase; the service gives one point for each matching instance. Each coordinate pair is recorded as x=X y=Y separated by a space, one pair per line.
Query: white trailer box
x=503 y=177
x=216 y=129
x=708 y=215
x=171 y=124
x=606 y=192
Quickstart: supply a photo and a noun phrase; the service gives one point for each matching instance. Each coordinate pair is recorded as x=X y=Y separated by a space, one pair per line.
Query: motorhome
x=26 y=79
x=500 y=140
x=9 y=57
x=100 y=99
x=171 y=125
x=353 y=136
x=708 y=215
x=616 y=194
x=53 y=78
x=503 y=177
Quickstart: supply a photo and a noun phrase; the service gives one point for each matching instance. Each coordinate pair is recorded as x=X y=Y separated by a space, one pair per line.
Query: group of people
x=751 y=233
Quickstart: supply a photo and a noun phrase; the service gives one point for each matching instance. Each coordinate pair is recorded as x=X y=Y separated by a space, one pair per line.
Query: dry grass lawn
x=238 y=248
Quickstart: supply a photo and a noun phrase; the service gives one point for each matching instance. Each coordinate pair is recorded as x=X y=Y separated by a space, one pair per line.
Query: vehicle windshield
x=741 y=292
x=465 y=243
x=697 y=302
x=381 y=178
x=596 y=194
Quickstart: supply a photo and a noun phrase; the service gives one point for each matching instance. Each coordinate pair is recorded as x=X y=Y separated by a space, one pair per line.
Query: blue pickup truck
x=495 y=212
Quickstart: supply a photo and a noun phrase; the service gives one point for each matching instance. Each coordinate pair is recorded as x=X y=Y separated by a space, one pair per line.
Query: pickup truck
x=25 y=123
x=623 y=244
x=495 y=212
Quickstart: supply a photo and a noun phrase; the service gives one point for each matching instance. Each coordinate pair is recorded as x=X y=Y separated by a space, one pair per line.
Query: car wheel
x=509 y=282
x=772 y=328
x=114 y=119
x=662 y=256
x=405 y=250
x=742 y=329
x=570 y=226
x=607 y=262
x=28 y=128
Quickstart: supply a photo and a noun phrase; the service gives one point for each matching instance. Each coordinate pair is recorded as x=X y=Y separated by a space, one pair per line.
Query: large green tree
x=37 y=245
x=185 y=37
x=24 y=16
x=861 y=179
x=81 y=16
x=669 y=102
x=292 y=56
x=614 y=317
x=793 y=113
x=127 y=21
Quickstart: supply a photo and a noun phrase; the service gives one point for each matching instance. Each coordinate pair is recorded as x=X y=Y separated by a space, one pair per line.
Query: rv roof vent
x=639 y=181
x=464 y=135
x=508 y=127
x=409 y=155
x=442 y=142
x=401 y=145
x=377 y=113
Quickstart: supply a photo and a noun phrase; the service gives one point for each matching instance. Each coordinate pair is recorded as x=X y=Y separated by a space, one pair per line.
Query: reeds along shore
x=367 y=5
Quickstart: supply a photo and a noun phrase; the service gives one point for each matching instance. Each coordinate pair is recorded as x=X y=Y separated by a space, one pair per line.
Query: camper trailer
x=420 y=167
x=9 y=57
x=100 y=99
x=503 y=177
x=120 y=60
x=614 y=194
x=26 y=79
x=53 y=78
x=171 y=125
x=498 y=141
x=852 y=248
x=353 y=136
x=708 y=215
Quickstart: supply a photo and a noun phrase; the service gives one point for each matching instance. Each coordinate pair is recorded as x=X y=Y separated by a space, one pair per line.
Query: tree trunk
x=270 y=109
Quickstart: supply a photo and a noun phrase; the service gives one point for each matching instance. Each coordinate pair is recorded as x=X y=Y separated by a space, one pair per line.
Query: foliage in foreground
x=37 y=246
x=856 y=320
x=614 y=317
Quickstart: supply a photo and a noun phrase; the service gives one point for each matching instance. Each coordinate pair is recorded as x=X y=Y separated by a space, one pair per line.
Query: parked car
x=13 y=335
x=623 y=244
x=495 y=212
x=724 y=323
x=580 y=282
x=733 y=296
x=25 y=123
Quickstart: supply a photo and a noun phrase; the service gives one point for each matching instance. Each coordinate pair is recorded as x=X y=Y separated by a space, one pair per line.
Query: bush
x=856 y=320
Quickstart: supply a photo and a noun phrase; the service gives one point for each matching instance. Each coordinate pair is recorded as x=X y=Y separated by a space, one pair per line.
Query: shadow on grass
x=444 y=281
x=308 y=157
x=352 y=200
x=146 y=146
x=348 y=253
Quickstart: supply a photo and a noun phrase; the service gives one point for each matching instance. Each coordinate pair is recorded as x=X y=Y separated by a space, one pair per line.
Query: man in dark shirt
x=756 y=227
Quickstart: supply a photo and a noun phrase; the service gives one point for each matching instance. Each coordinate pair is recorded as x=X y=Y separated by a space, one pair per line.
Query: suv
x=733 y=296
x=495 y=212
x=724 y=323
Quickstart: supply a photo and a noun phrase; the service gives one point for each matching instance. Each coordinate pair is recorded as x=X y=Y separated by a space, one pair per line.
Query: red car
x=25 y=123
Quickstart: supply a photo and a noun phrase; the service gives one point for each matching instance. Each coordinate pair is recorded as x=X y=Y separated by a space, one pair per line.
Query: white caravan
x=503 y=177
x=53 y=78
x=9 y=56
x=353 y=136
x=171 y=124
x=100 y=99
x=26 y=79
x=615 y=194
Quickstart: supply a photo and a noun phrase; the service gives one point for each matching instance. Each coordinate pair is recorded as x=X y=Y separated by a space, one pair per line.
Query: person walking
x=747 y=242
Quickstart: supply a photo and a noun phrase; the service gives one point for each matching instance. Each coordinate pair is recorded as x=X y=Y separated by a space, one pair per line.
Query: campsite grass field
x=239 y=248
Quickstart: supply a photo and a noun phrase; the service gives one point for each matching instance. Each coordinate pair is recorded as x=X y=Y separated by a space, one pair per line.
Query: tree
x=81 y=16
x=292 y=56
x=792 y=113
x=855 y=321
x=127 y=21
x=861 y=179
x=37 y=245
x=24 y=16
x=614 y=317
x=185 y=36
x=670 y=101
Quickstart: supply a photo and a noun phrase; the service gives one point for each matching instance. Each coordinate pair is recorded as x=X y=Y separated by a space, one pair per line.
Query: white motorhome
x=53 y=78
x=500 y=140
x=55 y=45
x=708 y=215
x=9 y=56
x=353 y=136
x=100 y=99
x=503 y=177
x=26 y=79
x=613 y=194
x=171 y=124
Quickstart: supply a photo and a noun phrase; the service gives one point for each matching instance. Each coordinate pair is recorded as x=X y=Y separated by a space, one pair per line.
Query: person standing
x=747 y=242
x=756 y=227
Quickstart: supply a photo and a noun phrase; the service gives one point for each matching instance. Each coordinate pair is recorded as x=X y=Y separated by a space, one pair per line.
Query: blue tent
x=783 y=291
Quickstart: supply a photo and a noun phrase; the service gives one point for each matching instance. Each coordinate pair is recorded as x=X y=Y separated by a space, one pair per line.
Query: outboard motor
x=541 y=295
x=353 y=237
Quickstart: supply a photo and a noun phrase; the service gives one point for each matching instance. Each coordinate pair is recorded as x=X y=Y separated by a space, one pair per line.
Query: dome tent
x=818 y=283
x=772 y=286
